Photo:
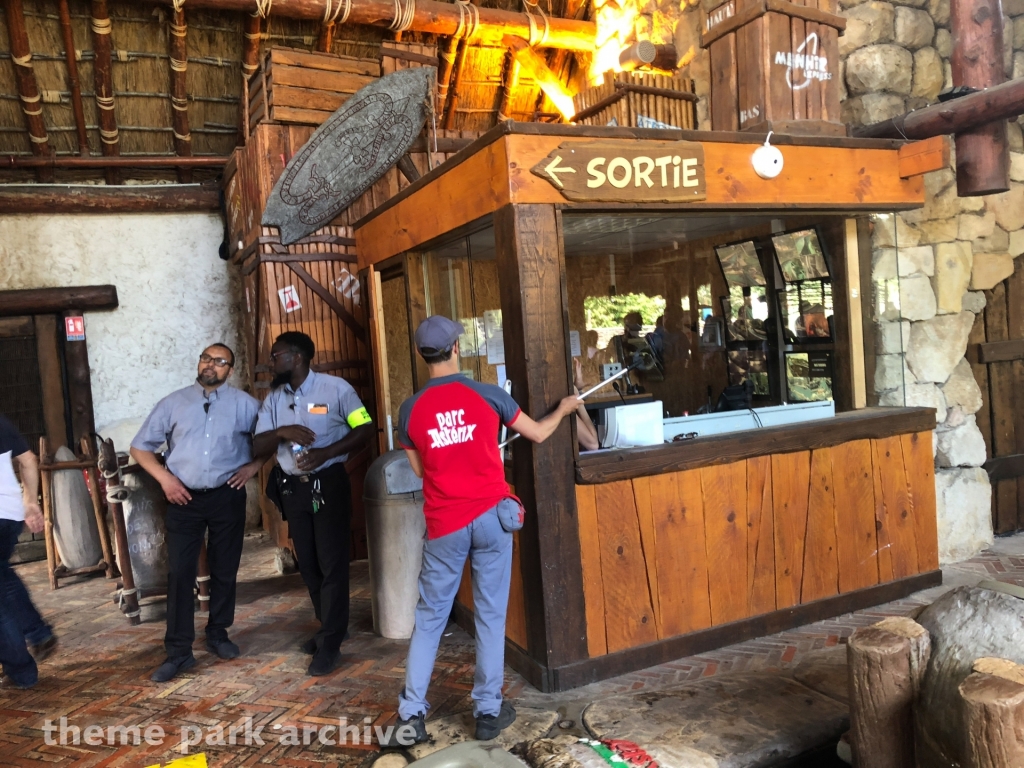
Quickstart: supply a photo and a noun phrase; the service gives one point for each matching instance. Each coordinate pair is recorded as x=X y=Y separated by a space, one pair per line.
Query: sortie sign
x=626 y=171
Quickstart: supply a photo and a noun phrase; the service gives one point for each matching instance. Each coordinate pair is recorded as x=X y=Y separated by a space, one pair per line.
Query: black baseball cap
x=437 y=334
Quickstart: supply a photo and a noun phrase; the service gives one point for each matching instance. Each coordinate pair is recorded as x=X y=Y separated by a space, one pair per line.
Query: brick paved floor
x=100 y=674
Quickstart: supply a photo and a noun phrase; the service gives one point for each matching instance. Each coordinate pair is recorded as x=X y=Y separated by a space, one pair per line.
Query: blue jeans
x=20 y=622
x=489 y=548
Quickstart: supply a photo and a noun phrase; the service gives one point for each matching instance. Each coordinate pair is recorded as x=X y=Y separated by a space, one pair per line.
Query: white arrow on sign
x=552 y=168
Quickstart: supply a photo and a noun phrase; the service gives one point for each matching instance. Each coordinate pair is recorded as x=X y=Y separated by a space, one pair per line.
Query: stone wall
x=896 y=58
x=175 y=296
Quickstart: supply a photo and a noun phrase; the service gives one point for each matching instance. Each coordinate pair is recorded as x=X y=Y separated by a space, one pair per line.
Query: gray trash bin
x=395 y=528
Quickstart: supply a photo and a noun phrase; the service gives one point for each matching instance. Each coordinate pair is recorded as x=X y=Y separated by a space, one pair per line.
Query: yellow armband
x=358 y=418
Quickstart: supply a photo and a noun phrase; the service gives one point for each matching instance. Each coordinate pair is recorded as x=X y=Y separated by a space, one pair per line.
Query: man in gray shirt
x=207 y=427
x=314 y=421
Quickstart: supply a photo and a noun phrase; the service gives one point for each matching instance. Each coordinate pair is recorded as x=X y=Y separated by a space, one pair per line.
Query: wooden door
x=996 y=354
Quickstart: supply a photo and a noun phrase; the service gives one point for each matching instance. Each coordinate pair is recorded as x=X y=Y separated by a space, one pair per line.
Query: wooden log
x=993 y=704
x=25 y=77
x=886 y=665
x=62 y=198
x=508 y=75
x=250 y=63
x=44 y=484
x=430 y=16
x=73 y=83
x=103 y=84
x=444 y=72
x=451 y=102
x=178 y=57
x=45 y=301
x=108 y=466
x=536 y=67
x=89 y=451
x=998 y=103
x=982 y=153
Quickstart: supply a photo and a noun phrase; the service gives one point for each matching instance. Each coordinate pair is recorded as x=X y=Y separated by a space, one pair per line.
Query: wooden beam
x=79 y=380
x=430 y=16
x=982 y=153
x=325 y=39
x=509 y=79
x=50 y=301
x=103 y=84
x=250 y=63
x=1005 y=467
x=999 y=351
x=444 y=71
x=73 y=84
x=537 y=68
x=148 y=161
x=920 y=157
x=451 y=103
x=179 y=90
x=1001 y=102
x=25 y=77
x=66 y=198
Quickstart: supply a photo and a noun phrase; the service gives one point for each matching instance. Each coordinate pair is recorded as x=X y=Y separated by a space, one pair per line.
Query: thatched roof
x=141 y=80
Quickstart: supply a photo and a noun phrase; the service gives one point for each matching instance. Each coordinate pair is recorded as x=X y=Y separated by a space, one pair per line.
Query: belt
x=339 y=466
x=205 y=490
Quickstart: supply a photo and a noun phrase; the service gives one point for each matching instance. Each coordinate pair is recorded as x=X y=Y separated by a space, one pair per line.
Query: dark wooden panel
x=613 y=664
x=1005 y=467
x=867 y=423
x=51 y=378
x=531 y=278
x=1002 y=397
x=725 y=114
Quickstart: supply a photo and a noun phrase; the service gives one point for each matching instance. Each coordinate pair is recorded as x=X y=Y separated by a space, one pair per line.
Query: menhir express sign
x=626 y=171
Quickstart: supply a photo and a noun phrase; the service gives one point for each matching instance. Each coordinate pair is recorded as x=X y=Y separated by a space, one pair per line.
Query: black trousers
x=322 y=543
x=222 y=512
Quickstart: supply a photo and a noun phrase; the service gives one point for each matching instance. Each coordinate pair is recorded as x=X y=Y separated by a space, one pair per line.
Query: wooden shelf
x=865 y=424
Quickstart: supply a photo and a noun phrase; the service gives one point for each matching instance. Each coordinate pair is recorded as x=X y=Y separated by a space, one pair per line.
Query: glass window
x=736 y=312
x=460 y=279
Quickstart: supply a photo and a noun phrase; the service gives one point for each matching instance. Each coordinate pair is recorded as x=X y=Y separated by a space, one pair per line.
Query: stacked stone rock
x=895 y=57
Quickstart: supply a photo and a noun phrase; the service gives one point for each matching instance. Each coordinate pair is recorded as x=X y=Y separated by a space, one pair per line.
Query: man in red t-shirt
x=450 y=431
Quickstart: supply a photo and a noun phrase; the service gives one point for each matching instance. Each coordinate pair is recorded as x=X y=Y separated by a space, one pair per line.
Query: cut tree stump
x=993 y=702
x=886 y=665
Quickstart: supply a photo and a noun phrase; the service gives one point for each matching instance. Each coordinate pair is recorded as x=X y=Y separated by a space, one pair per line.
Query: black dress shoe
x=405 y=733
x=309 y=647
x=8 y=684
x=225 y=649
x=489 y=726
x=324 y=662
x=171 y=668
x=41 y=651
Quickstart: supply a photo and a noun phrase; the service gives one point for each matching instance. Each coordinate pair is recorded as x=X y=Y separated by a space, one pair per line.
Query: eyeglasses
x=275 y=355
x=218 y=361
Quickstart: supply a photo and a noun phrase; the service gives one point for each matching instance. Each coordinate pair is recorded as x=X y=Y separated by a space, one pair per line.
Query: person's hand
x=175 y=490
x=310 y=459
x=577 y=374
x=244 y=474
x=296 y=433
x=34 y=517
x=568 y=405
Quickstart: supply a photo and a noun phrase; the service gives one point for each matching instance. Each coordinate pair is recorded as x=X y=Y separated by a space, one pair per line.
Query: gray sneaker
x=489 y=726
x=405 y=733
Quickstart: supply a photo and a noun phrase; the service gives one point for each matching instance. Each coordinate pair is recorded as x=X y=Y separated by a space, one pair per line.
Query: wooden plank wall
x=684 y=551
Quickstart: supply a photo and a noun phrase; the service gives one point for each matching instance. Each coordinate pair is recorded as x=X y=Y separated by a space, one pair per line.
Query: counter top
x=864 y=424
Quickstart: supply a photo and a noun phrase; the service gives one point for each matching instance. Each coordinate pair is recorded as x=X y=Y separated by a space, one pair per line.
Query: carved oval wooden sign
x=626 y=171
x=355 y=146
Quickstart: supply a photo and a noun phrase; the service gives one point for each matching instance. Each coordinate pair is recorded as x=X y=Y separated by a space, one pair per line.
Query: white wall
x=176 y=296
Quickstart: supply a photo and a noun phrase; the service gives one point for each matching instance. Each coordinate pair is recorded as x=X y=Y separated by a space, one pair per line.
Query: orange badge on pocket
x=318 y=409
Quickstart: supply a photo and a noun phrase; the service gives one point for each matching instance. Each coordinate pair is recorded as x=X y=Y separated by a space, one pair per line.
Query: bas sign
x=627 y=172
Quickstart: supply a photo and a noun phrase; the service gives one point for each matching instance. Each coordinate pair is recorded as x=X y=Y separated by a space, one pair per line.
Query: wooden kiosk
x=635 y=556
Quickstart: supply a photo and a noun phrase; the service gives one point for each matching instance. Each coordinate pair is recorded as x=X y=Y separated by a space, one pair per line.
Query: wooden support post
x=444 y=72
x=531 y=272
x=89 y=452
x=60 y=198
x=250 y=63
x=983 y=153
x=73 y=84
x=509 y=75
x=25 y=76
x=79 y=382
x=179 y=91
x=993 y=706
x=44 y=484
x=103 y=85
x=129 y=595
x=451 y=103
x=886 y=664
x=325 y=40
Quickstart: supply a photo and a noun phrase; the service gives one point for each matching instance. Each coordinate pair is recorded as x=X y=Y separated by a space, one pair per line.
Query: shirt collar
x=304 y=387
x=213 y=395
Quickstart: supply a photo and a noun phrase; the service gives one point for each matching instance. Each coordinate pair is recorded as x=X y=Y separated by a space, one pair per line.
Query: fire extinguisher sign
x=75 y=328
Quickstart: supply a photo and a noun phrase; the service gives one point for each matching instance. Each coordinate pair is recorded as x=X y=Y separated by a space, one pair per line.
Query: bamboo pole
x=73 y=83
x=25 y=77
x=430 y=16
x=110 y=140
x=452 y=101
x=179 y=90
